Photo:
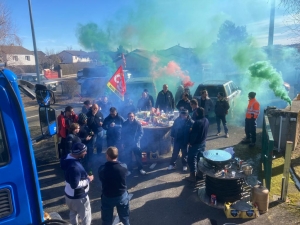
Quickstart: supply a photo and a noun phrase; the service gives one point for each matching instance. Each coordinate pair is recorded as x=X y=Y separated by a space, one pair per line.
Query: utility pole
x=271 y=25
x=34 y=44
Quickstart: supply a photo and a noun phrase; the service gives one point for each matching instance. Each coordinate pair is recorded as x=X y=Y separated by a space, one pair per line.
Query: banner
x=117 y=83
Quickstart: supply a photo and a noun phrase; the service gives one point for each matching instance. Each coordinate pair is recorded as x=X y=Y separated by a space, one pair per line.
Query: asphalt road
x=160 y=197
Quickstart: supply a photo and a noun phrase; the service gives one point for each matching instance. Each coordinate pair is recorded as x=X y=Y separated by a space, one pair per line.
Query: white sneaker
x=184 y=168
x=128 y=173
x=143 y=172
x=171 y=167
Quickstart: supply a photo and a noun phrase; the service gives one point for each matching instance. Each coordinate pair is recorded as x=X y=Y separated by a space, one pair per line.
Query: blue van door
x=20 y=200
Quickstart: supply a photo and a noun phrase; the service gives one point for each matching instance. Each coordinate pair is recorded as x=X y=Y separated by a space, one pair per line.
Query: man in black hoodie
x=77 y=185
x=113 y=126
x=95 y=122
x=114 y=189
x=197 y=142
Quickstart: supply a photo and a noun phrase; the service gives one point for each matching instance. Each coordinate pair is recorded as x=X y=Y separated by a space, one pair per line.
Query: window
x=227 y=89
x=4 y=156
x=27 y=58
x=15 y=58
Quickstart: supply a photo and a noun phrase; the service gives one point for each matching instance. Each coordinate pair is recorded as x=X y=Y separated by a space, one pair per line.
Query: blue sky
x=55 y=21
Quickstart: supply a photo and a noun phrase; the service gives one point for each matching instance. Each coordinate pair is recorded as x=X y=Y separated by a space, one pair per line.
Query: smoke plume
x=264 y=70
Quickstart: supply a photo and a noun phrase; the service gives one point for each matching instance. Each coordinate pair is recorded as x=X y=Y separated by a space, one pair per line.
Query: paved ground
x=160 y=197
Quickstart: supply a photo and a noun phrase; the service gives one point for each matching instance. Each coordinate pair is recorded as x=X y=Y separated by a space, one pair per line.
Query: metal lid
x=217 y=155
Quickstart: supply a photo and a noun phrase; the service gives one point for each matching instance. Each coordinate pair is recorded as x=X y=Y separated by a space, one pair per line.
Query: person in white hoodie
x=77 y=185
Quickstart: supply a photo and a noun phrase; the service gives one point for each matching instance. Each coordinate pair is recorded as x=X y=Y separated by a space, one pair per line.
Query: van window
x=4 y=155
x=227 y=89
x=233 y=87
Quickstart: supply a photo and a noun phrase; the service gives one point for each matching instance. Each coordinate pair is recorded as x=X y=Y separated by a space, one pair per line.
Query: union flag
x=117 y=83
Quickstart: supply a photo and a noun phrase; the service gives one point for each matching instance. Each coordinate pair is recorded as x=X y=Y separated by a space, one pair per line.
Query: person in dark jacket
x=150 y=97
x=197 y=142
x=132 y=132
x=206 y=103
x=95 y=122
x=105 y=105
x=86 y=106
x=180 y=136
x=194 y=106
x=221 y=110
x=85 y=134
x=178 y=94
x=144 y=103
x=113 y=126
x=184 y=103
x=72 y=138
x=165 y=100
x=188 y=91
x=77 y=185
x=114 y=189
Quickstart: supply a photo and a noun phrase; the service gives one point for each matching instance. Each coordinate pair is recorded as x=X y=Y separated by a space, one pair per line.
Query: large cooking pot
x=217 y=157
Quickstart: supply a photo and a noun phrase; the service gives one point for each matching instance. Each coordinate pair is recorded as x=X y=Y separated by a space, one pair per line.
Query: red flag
x=117 y=83
x=124 y=60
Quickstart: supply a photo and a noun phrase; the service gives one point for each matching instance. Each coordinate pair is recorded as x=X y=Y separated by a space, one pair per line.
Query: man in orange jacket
x=250 y=121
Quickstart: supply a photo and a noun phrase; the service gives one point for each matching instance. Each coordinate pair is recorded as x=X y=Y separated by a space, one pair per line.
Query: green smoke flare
x=264 y=70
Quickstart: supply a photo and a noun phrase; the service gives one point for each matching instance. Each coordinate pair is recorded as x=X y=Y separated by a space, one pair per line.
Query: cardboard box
x=233 y=213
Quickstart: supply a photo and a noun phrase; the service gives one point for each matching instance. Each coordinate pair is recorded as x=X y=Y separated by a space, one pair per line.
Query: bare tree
x=292 y=8
x=7 y=29
x=52 y=59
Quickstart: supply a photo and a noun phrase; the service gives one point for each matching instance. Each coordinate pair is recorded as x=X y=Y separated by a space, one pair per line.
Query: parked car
x=229 y=88
x=32 y=78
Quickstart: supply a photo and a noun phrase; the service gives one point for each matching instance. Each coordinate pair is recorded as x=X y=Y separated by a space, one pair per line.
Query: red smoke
x=174 y=70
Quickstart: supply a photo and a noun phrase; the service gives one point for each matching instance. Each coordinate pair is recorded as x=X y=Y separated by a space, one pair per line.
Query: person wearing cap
x=165 y=100
x=114 y=188
x=184 y=103
x=150 y=97
x=252 y=114
x=77 y=185
x=221 y=110
x=86 y=106
x=180 y=137
x=197 y=143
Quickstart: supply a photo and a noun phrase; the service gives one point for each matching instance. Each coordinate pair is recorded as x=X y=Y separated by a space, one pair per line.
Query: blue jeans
x=194 y=154
x=107 y=209
x=224 y=122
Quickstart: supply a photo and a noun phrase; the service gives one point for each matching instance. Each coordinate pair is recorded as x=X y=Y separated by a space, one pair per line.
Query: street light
x=34 y=44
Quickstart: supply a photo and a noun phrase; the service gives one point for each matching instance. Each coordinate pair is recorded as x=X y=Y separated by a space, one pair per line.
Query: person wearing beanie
x=180 y=137
x=221 y=110
x=114 y=188
x=77 y=185
x=252 y=114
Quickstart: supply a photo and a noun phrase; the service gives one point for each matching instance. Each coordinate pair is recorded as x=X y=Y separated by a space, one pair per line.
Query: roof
x=11 y=49
x=76 y=52
x=215 y=82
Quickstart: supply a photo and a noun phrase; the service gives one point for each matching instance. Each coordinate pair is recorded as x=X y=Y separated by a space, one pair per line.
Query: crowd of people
x=82 y=135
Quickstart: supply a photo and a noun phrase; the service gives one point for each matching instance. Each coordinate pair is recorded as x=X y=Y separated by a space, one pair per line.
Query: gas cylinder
x=260 y=197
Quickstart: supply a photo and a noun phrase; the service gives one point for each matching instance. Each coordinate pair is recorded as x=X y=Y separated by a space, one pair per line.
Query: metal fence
x=267 y=152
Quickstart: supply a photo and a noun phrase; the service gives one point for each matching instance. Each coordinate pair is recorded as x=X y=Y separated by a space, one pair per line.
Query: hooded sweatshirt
x=77 y=181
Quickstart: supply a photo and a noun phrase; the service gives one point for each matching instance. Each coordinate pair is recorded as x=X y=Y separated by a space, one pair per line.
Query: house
x=16 y=56
x=72 y=56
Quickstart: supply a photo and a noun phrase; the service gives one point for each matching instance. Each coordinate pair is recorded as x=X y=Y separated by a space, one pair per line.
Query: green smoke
x=263 y=70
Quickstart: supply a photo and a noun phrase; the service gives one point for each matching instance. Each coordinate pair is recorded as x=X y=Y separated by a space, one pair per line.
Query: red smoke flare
x=174 y=70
